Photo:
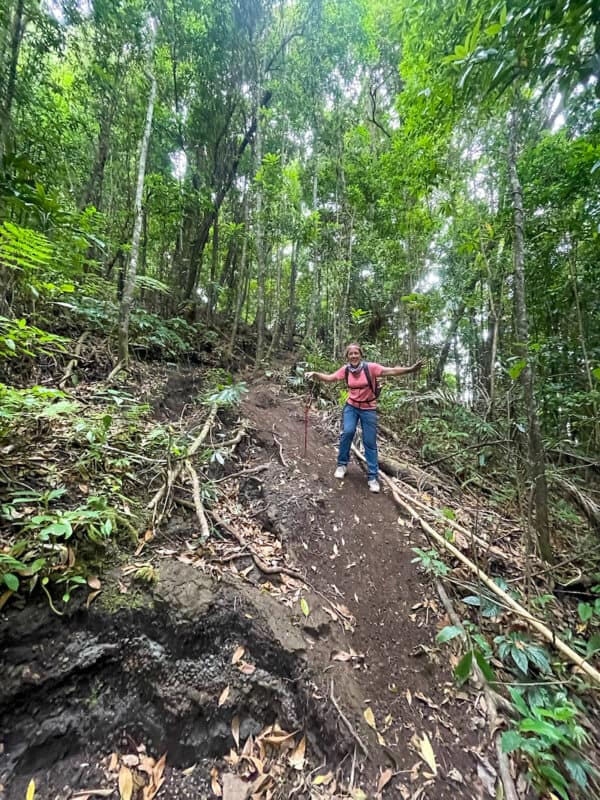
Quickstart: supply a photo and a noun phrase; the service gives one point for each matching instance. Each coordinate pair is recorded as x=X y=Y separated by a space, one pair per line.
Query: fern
x=151 y=284
x=23 y=249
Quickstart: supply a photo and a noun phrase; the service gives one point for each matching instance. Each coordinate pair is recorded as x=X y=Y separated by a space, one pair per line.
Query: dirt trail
x=355 y=548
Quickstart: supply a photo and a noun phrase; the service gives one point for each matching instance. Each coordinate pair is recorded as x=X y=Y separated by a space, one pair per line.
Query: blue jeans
x=368 y=420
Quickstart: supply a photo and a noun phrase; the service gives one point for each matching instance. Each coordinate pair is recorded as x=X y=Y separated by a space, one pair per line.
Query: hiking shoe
x=374 y=486
x=340 y=473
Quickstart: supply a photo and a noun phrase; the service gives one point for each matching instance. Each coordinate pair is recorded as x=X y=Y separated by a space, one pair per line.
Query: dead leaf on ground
x=323 y=780
x=246 y=668
x=370 y=717
x=239 y=652
x=224 y=695
x=296 y=760
x=384 y=779
x=188 y=770
x=235 y=731
x=114 y=762
x=125 y=783
x=91 y=597
x=427 y=754
x=93 y=582
x=214 y=782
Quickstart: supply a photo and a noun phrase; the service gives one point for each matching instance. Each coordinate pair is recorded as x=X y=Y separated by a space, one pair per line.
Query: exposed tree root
x=262 y=566
x=199 y=508
x=174 y=473
x=74 y=361
x=347 y=723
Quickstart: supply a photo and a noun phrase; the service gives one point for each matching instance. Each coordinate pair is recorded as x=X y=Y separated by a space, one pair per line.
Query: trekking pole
x=308 y=398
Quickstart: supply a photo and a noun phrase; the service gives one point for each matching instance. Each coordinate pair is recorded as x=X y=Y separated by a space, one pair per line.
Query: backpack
x=374 y=386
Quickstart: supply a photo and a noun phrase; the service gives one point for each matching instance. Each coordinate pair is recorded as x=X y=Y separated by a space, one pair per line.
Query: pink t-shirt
x=361 y=395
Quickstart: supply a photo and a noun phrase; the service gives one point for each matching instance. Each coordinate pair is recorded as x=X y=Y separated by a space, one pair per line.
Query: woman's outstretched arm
x=321 y=376
x=395 y=371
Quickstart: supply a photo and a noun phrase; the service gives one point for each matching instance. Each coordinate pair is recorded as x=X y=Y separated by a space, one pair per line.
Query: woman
x=361 y=404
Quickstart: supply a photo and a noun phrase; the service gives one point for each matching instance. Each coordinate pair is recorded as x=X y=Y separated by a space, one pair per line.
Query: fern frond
x=24 y=249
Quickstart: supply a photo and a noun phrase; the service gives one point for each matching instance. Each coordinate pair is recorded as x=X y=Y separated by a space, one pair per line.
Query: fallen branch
x=74 y=361
x=115 y=371
x=450 y=523
x=492 y=700
x=237 y=438
x=346 y=722
x=517 y=608
x=199 y=508
x=173 y=474
x=262 y=566
x=249 y=471
x=586 y=504
x=277 y=442
x=549 y=635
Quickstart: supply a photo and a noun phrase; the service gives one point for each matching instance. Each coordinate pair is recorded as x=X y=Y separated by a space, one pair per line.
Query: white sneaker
x=340 y=473
x=374 y=486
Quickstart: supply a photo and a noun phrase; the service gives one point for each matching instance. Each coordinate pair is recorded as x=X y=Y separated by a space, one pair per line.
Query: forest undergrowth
x=91 y=471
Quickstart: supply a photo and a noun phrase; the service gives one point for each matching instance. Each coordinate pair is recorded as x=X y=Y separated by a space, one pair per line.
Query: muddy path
x=203 y=663
x=356 y=549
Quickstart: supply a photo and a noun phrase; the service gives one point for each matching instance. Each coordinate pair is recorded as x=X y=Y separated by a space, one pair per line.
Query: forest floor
x=318 y=676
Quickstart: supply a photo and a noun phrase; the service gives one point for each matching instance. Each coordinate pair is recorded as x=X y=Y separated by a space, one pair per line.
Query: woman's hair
x=354 y=344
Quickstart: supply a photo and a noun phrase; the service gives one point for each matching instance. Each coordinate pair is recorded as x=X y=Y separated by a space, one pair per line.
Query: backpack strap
x=365 y=369
x=372 y=387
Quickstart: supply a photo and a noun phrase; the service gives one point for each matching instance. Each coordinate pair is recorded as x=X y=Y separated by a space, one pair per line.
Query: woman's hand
x=417 y=365
x=310 y=376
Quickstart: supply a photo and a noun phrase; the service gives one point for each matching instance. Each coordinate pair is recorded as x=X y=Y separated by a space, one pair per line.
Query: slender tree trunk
x=214 y=263
x=128 y=289
x=276 y=332
x=241 y=284
x=260 y=250
x=438 y=372
x=314 y=297
x=18 y=28
x=536 y=459
x=290 y=325
x=92 y=194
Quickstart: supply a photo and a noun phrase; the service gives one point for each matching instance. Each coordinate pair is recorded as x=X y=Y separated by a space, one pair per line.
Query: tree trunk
x=438 y=372
x=535 y=452
x=314 y=298
x=16 y=38
x=92 y=194
x=241 y=283
x=127 y=299
x=214 y=262
x=290 y=324
x=260 y=251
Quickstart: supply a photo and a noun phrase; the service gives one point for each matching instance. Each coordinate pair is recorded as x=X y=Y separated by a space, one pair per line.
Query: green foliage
x=31 y=404
x=552 y=740
x=227 y=394
x=18 y=339
x=430 y=561
x=516 y=650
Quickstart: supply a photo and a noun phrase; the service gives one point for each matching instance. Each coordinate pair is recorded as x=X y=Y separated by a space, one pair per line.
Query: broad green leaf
x=463 y=668
x=585 y=611
x=484 y=665
x=511 y=741
x=448 y=633
x=520 y=659
x=517 y=368
x=11 y=581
